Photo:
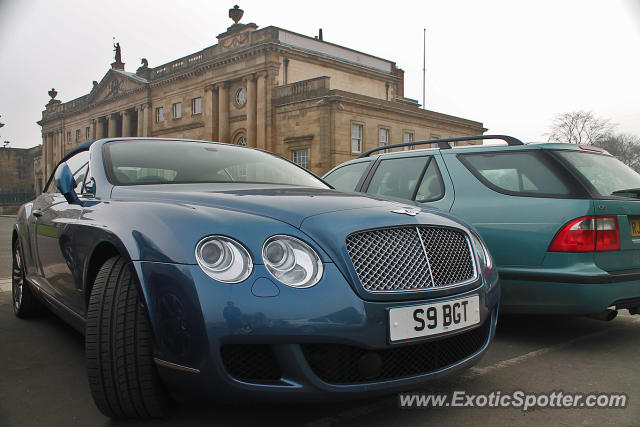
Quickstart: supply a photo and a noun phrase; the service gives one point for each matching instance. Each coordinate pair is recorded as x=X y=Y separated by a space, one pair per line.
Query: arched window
x=242 y=141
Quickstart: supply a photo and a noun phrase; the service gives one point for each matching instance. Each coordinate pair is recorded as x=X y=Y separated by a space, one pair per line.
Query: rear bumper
x=550 y=292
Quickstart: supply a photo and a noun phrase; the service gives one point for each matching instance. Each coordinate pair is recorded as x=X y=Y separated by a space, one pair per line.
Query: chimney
x=320 y=34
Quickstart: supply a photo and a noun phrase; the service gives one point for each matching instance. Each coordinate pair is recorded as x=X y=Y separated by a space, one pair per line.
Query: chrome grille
x=410 y=258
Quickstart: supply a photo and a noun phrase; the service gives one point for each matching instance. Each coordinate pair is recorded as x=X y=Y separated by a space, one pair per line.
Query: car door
x=54 y=222
x=412 y=177
x=517 y=198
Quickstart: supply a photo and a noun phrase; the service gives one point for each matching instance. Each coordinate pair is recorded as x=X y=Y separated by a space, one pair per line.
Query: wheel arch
x=107 y=247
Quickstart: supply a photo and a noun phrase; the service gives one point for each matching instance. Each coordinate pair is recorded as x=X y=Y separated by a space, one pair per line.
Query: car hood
x=289 y=204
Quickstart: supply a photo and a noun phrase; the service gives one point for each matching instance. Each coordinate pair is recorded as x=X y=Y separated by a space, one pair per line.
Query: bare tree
x=579 y=127
x=625 y=147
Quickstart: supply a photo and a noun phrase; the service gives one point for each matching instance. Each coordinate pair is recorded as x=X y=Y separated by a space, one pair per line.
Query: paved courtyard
x=44 y=380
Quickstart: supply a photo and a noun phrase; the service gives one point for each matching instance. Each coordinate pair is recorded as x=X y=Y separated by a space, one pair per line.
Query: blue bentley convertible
x=212 y=270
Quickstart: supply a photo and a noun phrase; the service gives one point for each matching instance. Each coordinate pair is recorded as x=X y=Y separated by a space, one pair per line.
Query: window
x=242 y=141
x=77 y=165
x=87 y=131
x=159 y=114
x=383 y=138
x=431 y=188
x=347 y=177
x=88 y=187
x=77 y=135
x=69 y=137
x=241 y=97
x=196 y=106
x=177 y=110
x=397 y=177
x=356 y=138
x=407 y=137
x=518 y=173
x=608 y=175
x=301 y=158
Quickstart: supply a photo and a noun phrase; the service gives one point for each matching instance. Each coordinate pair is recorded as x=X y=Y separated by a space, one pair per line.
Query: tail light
x=588 y=234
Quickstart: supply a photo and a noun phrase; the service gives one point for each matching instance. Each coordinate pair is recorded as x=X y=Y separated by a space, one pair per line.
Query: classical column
x=223 y=112
x=140 y=121
x=43 y=154
x=210 y=112
x=92 y=129
x=261 y=111
x=126 y=123
x=100 y=127
x=113 y=125
x=146 y=128
x=50 y=149
x=251 y=110
x=59 y=143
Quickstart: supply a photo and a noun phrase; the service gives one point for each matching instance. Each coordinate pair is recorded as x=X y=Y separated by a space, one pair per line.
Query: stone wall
x=16 y=174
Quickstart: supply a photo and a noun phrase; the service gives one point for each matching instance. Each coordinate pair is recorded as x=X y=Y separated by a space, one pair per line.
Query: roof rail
x=443 y=144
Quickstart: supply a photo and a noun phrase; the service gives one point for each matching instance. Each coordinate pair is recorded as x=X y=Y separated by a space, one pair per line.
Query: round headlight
x=291 y=261
x=223 y=259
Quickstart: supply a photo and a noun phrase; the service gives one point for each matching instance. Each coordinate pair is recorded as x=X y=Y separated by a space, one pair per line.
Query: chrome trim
x=175 y=366
x=426 y=257
x=472 y=254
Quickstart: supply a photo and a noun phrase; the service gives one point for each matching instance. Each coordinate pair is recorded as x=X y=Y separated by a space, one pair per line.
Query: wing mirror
x=66 y=184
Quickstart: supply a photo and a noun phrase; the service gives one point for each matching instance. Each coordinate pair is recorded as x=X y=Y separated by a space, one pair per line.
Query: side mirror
x=66 y=184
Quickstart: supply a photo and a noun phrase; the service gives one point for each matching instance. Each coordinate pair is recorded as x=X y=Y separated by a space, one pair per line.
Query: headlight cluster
x=223 y=259
x=289 y=260
x=482 y=251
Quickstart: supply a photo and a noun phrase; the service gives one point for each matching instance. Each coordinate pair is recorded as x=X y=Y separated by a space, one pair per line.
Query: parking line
x=475 y=371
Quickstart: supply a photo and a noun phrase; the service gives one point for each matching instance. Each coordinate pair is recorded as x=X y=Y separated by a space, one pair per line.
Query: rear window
x=528 y=173
x=608 y=175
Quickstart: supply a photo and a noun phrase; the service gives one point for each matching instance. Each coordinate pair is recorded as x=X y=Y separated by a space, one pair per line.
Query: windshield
x=606 y=173
x=177 y=162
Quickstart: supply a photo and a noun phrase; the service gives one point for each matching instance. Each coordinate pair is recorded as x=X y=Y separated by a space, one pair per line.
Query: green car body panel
x=520 y=229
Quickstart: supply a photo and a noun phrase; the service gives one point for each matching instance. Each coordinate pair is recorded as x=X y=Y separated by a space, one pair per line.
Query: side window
x=517 y=173
x=79 y=177
x=431 y=188
x=347 y=177
x=88 y=186
x=78 y=166
x=52 y=188
x=397 y=177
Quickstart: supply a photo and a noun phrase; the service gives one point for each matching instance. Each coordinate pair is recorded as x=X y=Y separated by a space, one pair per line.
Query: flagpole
x=424 y=68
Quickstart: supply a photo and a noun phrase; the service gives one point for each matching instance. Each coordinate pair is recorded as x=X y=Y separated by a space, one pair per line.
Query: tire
x=118 y=342
x=25 y=304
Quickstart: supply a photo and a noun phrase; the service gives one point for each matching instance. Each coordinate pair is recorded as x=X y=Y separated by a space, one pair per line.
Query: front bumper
x=263 y=339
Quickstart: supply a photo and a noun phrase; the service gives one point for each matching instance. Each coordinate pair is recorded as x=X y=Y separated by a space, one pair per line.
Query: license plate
x=635 y=227
x=432 y=319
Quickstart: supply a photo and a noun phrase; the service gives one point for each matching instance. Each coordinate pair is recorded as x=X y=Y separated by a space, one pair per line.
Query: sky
x=512 y=65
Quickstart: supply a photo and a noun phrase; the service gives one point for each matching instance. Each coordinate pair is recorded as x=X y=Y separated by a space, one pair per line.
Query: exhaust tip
x=606 y=315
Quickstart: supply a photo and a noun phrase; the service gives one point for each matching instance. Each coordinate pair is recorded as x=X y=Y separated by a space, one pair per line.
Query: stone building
x=17 y=177
x=313 y=102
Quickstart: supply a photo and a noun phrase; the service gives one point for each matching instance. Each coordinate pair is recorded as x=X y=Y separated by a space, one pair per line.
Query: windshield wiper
x=634 y=191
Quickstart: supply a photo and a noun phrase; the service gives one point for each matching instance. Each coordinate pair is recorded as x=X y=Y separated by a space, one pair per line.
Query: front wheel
x=25 y=303
x=122 y=374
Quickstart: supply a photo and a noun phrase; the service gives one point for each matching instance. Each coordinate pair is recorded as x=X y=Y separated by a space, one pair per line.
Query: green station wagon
x=562 y=221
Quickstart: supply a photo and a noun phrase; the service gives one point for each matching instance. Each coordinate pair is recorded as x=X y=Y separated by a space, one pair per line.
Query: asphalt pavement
x=43 y=380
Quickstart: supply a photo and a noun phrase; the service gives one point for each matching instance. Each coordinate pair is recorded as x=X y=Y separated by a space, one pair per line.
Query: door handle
x=37 y=213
